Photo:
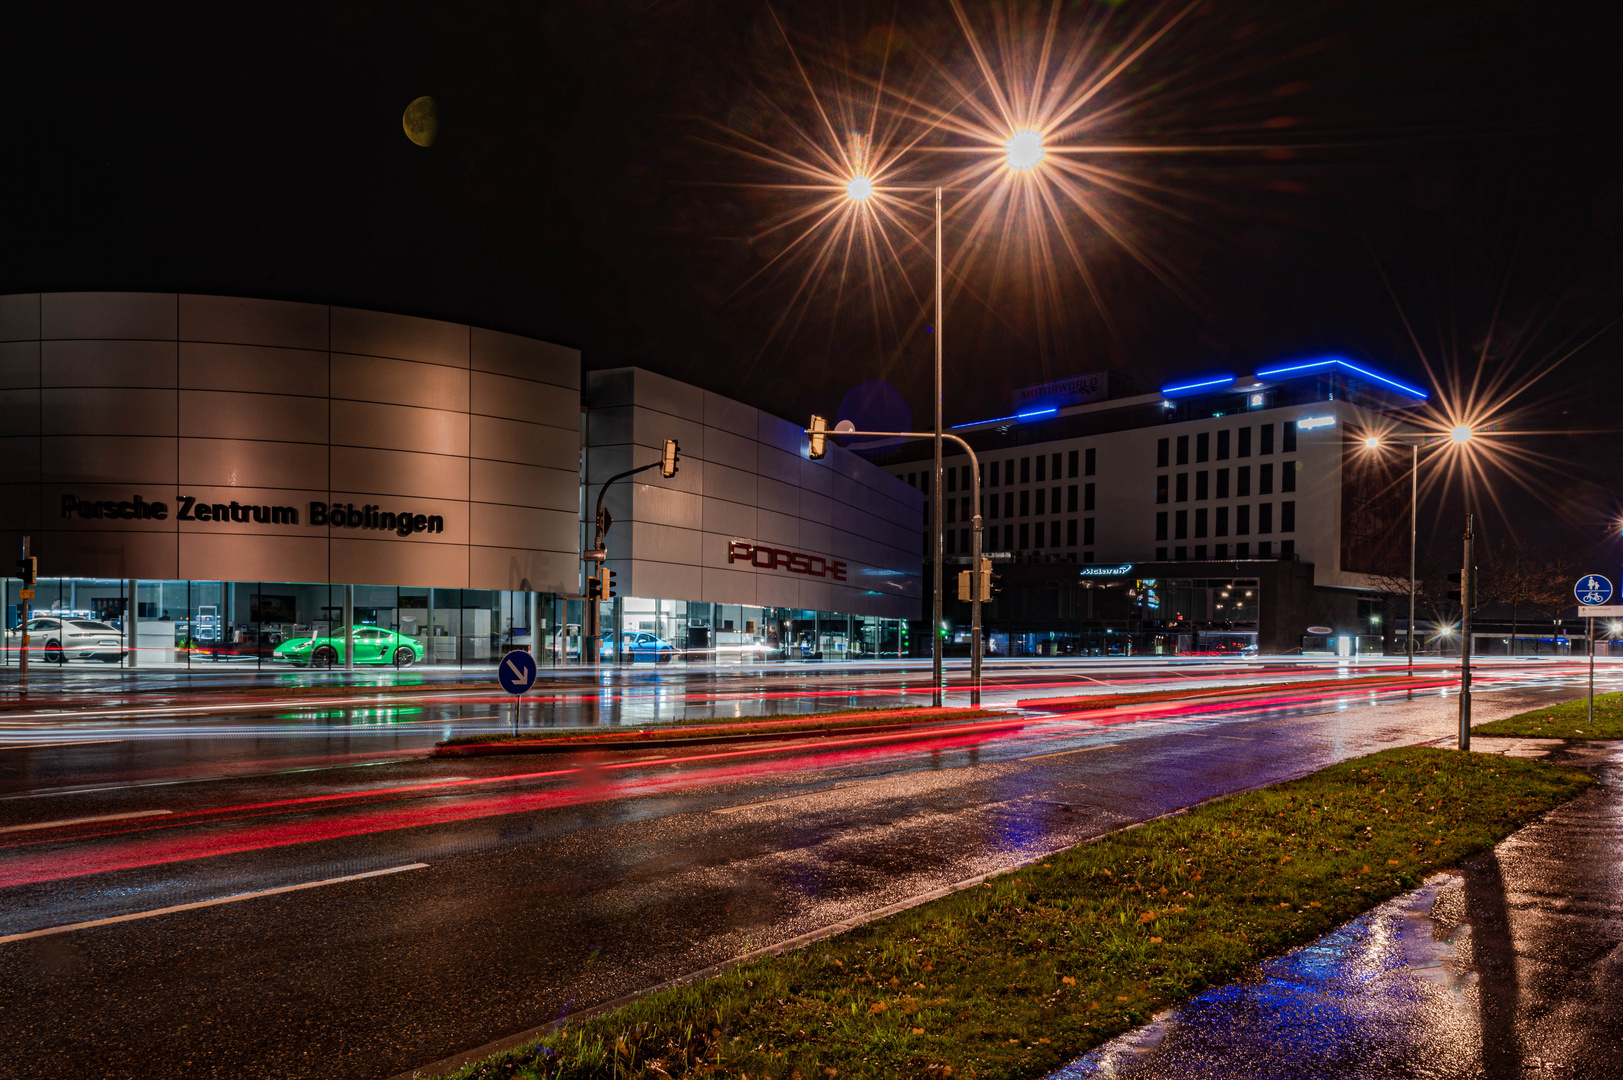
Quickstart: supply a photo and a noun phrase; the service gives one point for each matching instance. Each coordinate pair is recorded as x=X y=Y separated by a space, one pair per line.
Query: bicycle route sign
x=1592 y=589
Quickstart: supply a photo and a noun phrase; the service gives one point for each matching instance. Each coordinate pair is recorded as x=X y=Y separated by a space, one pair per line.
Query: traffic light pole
x=601 y=522
x=24 y=595
x=975 y=648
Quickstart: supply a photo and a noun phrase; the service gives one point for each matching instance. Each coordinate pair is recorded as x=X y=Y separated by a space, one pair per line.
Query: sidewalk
x=1510 y=966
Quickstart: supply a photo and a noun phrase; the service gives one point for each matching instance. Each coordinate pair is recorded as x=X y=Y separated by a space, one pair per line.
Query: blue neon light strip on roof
x=1221 y=380
x=1350 y=366
x=1034 y=413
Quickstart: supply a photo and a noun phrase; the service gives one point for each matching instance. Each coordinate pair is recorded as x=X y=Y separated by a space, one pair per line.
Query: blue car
x=639 y=646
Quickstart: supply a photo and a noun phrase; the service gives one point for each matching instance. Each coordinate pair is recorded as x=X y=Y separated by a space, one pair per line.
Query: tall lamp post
x=1022 y=152
x=1459 y=435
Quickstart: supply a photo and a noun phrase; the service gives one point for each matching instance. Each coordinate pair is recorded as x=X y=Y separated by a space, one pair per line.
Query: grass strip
x=708 y=725
x=1031 y=969
x=1565 y=721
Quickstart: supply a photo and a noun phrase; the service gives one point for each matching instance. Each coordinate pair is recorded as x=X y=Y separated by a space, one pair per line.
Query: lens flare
x=1460 y=433
x=859 y=189
x=1025 y=150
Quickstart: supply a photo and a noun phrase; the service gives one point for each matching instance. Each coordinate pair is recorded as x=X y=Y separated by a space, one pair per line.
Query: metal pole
x=349 y=628
x=22 y=654
x=935 y=503
x=1467 y=595
x=1591 y=636
x=976 y=580
x=1414 y=514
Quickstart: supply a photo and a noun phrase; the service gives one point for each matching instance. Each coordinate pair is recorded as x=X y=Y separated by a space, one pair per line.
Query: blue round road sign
x=517 y=671
x=1592 y=589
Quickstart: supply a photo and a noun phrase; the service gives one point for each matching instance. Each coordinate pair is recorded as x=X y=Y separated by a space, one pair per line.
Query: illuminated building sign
x=1076 y=390
x=771 y=558
x=401 y=522
x=1312 y=422
x=1105 y=571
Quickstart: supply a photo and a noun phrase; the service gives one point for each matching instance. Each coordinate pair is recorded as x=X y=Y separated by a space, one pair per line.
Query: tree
x=1518 y=578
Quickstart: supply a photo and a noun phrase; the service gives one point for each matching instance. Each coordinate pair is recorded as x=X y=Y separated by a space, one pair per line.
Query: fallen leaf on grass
x=918 y=1031
x=877 y=1007
x=1068 y=980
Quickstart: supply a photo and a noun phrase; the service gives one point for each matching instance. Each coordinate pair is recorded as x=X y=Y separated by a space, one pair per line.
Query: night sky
x=1459 y=164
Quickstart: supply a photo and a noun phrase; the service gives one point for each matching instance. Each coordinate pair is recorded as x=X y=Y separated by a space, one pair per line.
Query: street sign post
x=516 y=674
x=1592 y=592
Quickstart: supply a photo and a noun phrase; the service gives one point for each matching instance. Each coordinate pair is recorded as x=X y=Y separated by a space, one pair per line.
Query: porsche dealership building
x=248 y=482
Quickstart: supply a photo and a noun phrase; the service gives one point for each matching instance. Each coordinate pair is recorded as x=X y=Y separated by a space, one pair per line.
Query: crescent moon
x=421 y=121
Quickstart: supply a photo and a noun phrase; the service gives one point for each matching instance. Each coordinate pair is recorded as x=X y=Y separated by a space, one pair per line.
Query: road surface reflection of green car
x=373 y=645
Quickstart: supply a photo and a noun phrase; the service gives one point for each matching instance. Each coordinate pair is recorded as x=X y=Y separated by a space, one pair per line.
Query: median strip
x=1569 y=720
x=1029 y=969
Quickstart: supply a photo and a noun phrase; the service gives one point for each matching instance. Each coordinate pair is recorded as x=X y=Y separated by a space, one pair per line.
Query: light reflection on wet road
x=549 y=892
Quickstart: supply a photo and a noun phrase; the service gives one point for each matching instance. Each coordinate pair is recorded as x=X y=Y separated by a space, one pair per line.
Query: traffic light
x=819 y=440
x=594 y=586
x=966 y=584
x=29 y=568
x=987 y=577
x=668 y=459
x=1466 y=594
x=605 y=521
x=609 y=586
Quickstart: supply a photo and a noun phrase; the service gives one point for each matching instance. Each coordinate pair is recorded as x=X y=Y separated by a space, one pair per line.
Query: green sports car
x=373 y=645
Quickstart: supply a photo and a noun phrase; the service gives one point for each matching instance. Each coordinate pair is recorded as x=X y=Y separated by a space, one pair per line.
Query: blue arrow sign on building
x=517 y=671
x=1592 y=589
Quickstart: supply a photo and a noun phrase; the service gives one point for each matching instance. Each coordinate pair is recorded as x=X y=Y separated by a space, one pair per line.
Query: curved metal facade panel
x=284 y=441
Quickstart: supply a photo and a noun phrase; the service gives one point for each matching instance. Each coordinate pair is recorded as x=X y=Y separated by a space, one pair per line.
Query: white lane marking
x=1079 y=750
x=85 y=820
x=74 y=742
x=207 y=903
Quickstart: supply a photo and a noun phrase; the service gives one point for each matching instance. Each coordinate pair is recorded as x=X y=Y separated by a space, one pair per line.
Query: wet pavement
x=1510 y=966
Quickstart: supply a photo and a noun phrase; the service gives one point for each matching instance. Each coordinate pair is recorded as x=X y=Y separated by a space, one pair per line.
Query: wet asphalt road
x=542 y=894
x=1508 y=967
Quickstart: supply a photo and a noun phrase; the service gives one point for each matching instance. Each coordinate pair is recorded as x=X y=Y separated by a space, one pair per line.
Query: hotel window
x=1200 y=551
x=1203 y=446
x=1008 y=504
x=1056 y=465
x=1180 y=525
x=991 y=506
x=1222 y=483
x=924 y=483
x=1265 y=517
x=1287 y=437
x=1183 y=487
x=1245 y=443
x=1242 y=521
x=1087 y=531
x=952 y=511
x=1287 y=547
x=1242 y=481
x=1242 y=551
x=1180 y=553
x=963 y=473
x=1267 y=439
x=1008 y=538
x=1087 y=497
x=964 y=513
x=1071 y=464
x=1161 y=526
x=1025 y=470
x=1222 y=551
x=1053 y=501
x=1223 y=445
x=1042 y=497
x=1183 y=449
x=1265 y=479
x=1160 y=554
x=952 y=535
x=1265 y=548
x=1025 y=505
x=1070 y=533
x=1087 y=556
x=913 y=481
x=1070 y=499
x=951 y=476
x=1160 y=453
x=1042 y=467
x=1089 y=461
x=1202 y=490
x=1160 y=489
x=1039 y=537
x=1053 y=534
x=963 y=541
x=1222 y=521
x=1025 y=536
x=1200 y=523
x=1287 y=516
x=1287 y=475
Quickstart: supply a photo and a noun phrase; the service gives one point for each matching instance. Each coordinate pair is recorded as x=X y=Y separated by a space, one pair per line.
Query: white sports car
x=57 y=640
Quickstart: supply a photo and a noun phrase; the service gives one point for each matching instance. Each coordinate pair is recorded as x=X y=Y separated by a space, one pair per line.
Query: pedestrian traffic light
x=819 y=440
x=1466 y=594
x=29 y=569
x=668 y=459
x=609 y=586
